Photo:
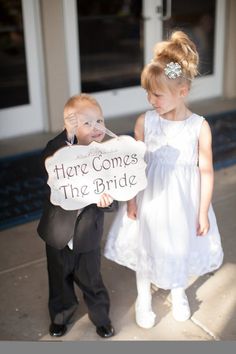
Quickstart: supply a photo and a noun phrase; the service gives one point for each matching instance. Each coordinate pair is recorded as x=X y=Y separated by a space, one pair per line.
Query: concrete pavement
x=24 y=288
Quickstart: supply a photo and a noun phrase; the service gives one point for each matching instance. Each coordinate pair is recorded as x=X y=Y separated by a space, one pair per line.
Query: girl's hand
x=71 y=125
x=203 y=225
x=105 y=201
x=132 y=209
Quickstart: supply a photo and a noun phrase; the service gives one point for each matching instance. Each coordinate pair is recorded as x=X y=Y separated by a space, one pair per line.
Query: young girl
x=177 y=235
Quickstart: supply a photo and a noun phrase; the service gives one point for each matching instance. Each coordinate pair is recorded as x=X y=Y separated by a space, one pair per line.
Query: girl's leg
x=180 y=305
x=145 y=317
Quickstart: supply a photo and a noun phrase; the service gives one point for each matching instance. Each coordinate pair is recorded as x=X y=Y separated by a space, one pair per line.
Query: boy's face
x=88 y=115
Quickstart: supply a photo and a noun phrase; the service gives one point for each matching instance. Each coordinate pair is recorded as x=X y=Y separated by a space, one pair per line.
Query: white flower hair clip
x=173 y=70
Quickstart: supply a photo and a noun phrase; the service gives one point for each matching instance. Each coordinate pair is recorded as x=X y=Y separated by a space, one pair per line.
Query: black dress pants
x=64 y=268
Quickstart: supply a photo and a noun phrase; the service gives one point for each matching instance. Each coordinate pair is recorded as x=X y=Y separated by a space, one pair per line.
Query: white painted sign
x=79 y=174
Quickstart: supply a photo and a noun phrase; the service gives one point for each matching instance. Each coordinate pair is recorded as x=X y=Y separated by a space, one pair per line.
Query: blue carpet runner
x=22 y=187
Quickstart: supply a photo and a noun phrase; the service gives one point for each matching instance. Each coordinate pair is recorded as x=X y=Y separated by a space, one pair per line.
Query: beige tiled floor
x=24 y=288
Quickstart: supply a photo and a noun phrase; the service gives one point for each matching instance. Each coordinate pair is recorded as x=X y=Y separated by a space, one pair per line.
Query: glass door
x=109 y=50
x=204 y=22
x=109 y=42
x=21 y=96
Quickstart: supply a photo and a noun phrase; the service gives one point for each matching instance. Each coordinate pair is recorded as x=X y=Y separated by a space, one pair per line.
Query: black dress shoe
x=105 y=331
x=57 y=330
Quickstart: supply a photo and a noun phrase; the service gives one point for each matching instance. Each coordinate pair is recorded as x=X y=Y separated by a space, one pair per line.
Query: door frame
x=203 y=87
x=133 y=99
x=212 y=85
x=32 y=117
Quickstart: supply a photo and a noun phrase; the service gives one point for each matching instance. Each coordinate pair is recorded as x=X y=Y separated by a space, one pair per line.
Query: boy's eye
x=100 y=121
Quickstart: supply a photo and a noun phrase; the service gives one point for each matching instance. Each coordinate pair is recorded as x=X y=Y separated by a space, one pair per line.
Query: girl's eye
x=86 y=123
x=100 y=121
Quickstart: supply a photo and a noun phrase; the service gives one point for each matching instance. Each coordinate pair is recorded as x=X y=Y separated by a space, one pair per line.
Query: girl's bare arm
x=139 y=135
x=207 y=178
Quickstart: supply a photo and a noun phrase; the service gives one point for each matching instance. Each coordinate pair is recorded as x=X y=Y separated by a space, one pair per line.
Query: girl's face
x=165 y=100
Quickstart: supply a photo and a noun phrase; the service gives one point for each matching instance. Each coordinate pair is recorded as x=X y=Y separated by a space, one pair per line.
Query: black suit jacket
x=57 y=226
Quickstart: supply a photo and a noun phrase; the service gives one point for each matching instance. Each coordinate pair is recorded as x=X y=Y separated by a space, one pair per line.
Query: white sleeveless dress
x=162 y=245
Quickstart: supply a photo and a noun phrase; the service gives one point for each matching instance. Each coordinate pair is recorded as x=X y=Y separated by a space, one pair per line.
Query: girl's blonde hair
x=83 y=97
x=178 y=49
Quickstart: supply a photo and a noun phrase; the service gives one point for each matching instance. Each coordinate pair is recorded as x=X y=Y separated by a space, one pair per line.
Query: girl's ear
x=184 y=90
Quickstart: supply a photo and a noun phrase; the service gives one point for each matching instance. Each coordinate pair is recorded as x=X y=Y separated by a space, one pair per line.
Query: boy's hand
x=71 y=125
x=105 y=201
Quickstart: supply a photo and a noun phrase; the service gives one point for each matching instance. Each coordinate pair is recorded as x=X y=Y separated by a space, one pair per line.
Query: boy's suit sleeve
x=56 y=225
x=112 y=207
x=55 y=144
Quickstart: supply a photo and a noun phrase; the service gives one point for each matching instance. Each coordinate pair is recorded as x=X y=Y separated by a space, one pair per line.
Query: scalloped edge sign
x=78 y=175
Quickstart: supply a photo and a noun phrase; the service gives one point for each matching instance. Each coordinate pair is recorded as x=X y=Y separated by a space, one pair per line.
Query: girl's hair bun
x=178 y=48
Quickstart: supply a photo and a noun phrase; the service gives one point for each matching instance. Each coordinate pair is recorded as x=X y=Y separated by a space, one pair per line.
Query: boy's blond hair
x=83 y=97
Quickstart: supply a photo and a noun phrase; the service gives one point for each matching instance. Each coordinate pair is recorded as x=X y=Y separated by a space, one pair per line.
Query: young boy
x=73 y=236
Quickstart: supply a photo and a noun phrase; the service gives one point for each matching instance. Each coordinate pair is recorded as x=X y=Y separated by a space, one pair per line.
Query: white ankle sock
x=180 y=305
x=145 y=317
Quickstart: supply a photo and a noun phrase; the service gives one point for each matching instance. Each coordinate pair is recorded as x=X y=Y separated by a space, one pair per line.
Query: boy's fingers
x=101 y=202
x=109 y=198
x=105 y=200
x=71 y=120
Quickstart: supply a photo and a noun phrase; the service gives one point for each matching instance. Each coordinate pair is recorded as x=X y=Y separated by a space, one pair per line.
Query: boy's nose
x=99 y=127
x=96 y=130
x=95 y=127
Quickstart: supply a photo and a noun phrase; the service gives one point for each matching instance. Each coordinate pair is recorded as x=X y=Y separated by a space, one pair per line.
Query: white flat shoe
x=145 y=319
x=180 y=305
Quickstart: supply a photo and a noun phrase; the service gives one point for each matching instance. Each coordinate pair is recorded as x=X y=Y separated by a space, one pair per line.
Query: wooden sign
x=79 y=174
